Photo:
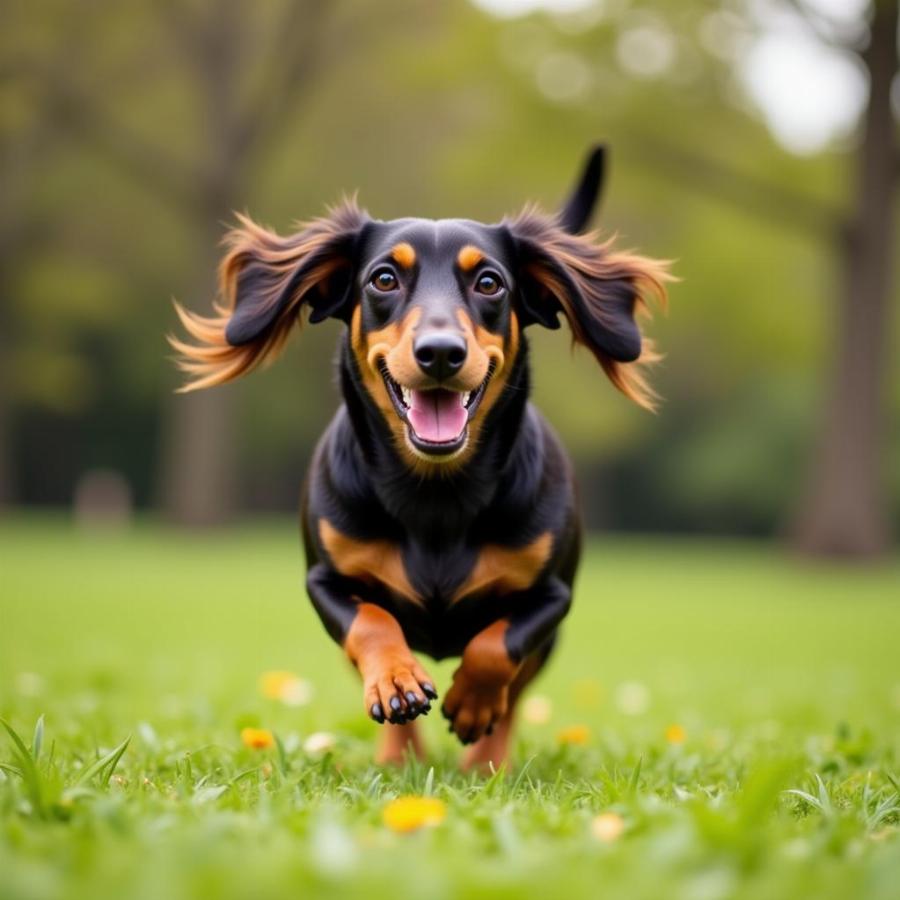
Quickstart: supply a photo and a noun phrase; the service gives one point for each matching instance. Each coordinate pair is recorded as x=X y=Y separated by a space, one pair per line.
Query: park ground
x=719 y=721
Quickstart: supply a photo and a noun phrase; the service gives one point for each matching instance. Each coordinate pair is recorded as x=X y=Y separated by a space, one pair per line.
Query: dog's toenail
x=395 y=704
x=429 y=690
x=377 y=712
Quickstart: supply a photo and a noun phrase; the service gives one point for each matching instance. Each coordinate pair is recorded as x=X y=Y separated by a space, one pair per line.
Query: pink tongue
x=437 y=416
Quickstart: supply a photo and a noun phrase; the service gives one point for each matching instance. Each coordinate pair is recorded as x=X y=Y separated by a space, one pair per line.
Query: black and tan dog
x=439 y=513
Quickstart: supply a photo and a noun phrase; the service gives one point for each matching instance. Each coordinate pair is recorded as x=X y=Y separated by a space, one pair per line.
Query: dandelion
x=287 y=687
x=607 y=827
x=257 y=738
x=675 y=734
x=319 y=742
x=537 y=710
x=574 y=734
x=407 y=814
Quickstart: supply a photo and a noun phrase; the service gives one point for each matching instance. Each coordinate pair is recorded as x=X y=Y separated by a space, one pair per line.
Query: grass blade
x=20 y=744
x=105 y=766
x=37 y=739
x=635 y=778
x=28 y=770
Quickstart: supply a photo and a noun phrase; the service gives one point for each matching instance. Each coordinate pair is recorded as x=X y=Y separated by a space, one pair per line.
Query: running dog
x=439 y=513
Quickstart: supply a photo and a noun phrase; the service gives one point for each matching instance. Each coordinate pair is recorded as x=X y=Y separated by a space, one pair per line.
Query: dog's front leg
x=396 y=688
x=479 y=695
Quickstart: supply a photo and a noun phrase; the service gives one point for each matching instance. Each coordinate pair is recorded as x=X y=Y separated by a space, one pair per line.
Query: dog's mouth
x=437 y=419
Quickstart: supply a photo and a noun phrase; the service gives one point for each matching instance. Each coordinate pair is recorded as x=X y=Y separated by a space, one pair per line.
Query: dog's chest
x=445 y=576
x=437 y=577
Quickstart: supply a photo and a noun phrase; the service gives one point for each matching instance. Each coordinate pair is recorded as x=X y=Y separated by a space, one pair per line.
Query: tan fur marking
x=404 y=255
x=376 y=645
x=369 y=561
x=479 y=353
x=469 y=257
x=393 y=344
x=491 y=347
x=505 y=569
x=479 y=695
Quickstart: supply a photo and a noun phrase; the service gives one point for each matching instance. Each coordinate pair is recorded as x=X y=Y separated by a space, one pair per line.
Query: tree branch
x=775 y=203
x=127 y=151
x=826 y=30
x=298 y=39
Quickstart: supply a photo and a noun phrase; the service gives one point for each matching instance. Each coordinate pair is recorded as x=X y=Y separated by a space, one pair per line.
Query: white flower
x=537 y=710
x=632 y=698
x=319 y=742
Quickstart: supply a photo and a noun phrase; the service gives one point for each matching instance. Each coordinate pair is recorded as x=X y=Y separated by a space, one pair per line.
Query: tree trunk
x=844 y=513
x=199 y=460
x=198 y=476
x=7 y=488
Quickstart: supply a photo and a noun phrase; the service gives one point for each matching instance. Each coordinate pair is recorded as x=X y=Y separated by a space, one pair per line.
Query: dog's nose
x=440 y=354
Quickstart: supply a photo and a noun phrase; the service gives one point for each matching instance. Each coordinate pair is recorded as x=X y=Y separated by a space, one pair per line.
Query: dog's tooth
x=406 y=393
x=467 y=395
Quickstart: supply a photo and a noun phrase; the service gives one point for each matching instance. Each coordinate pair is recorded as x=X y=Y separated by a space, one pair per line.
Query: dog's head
x=435 y=309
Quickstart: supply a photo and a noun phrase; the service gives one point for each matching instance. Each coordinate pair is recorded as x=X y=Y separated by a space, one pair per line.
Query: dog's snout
x=440 y=354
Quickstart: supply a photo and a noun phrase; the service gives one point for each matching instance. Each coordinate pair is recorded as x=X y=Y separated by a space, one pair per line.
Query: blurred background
x=752 y=141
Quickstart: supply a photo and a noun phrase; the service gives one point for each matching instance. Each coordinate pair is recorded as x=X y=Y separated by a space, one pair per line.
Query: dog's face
x=434 y=330
x=435 y=311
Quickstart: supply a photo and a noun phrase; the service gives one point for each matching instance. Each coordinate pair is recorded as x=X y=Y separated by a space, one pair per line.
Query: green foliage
x=440 y=110
x=782 y=783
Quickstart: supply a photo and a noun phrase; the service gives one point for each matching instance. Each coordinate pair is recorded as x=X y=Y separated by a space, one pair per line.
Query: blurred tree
x=246 y=73
x=845 y=510
x=32 y=90
x=440 y=110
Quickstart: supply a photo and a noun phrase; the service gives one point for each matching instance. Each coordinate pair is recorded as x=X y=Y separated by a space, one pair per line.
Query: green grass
x=784 y=677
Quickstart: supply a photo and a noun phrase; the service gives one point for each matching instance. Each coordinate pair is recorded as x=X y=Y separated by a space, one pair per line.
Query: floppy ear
x=599 y=291
x=576 y=212
x=265 y=282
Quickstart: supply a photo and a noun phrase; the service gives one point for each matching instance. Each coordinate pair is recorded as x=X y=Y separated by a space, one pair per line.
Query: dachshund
x=439 y=514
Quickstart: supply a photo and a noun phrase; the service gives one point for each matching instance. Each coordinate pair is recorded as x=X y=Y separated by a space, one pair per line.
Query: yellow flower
x=257 y=738
x=574 y=734
x=607 y=827
x=287 y=687
x=675 y=734
x=587 y=693
x=409 y=813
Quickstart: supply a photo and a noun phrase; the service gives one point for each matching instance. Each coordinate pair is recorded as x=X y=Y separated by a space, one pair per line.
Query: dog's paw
x=474 y=705
x=398 y=690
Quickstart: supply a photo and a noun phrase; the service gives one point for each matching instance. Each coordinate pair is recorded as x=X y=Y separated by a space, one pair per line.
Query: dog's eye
x=488 y=284
x=384 y=280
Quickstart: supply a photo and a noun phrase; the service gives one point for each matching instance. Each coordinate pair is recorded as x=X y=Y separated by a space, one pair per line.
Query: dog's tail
x=575 y=215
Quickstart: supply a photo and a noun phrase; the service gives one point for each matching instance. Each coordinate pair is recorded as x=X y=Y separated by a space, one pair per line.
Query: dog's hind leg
x=398 y=742
x=493 y=748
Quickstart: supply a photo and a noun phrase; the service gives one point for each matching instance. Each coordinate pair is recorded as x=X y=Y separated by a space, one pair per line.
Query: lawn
x=732 y=721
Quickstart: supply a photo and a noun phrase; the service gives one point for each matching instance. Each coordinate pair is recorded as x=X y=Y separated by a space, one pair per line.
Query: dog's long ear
x=265 y=283
x=576 y=212
x=599 y=290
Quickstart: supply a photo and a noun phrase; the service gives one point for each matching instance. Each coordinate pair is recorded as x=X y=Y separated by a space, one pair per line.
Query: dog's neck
x=441 y=506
